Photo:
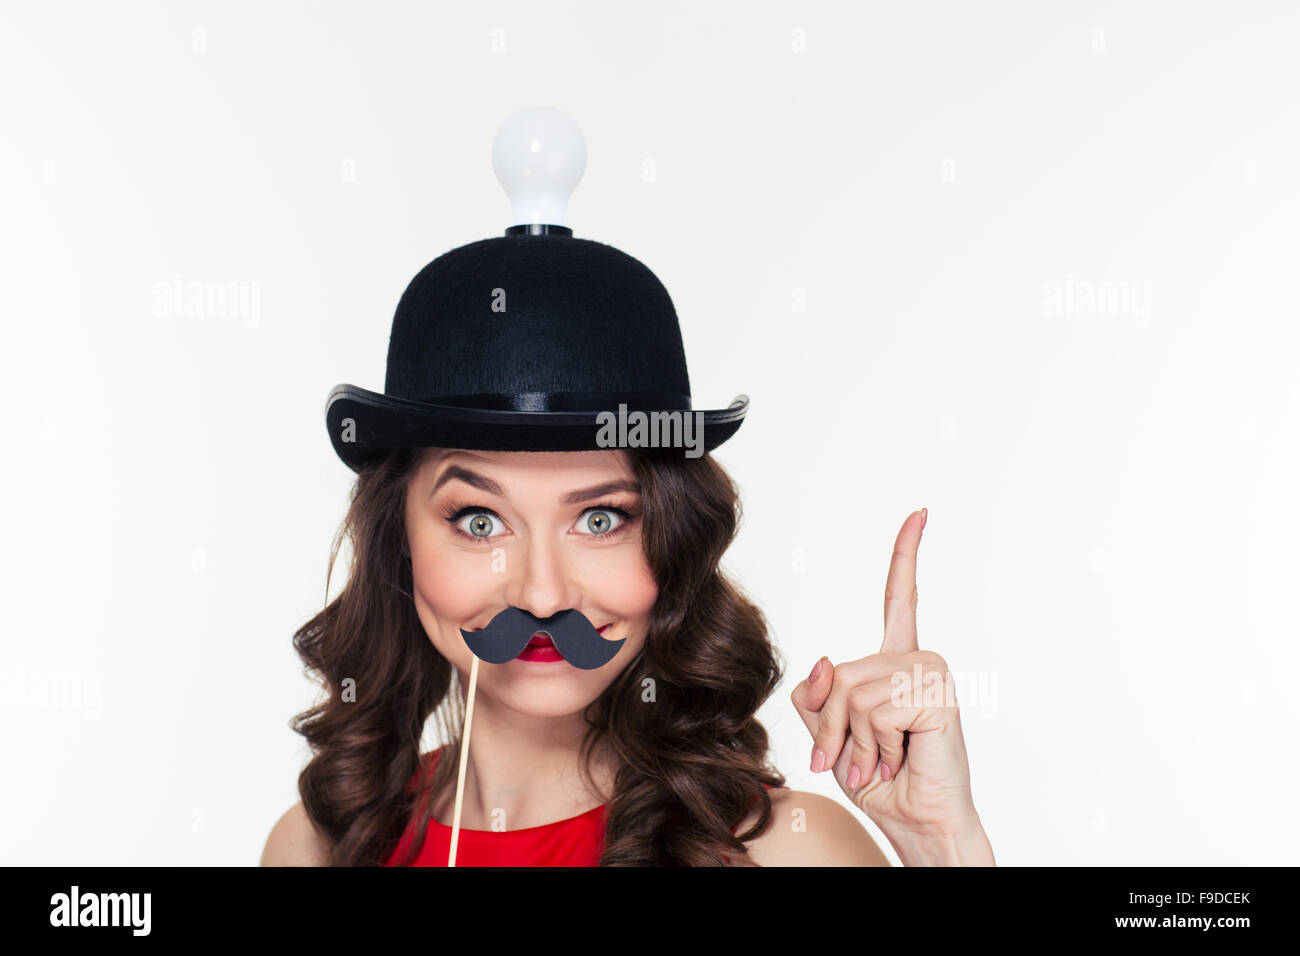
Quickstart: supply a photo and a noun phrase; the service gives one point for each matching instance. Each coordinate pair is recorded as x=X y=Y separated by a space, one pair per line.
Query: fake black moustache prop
x=507 y=634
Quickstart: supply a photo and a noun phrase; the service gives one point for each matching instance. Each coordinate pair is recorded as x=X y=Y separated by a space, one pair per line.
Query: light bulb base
x=539 y=229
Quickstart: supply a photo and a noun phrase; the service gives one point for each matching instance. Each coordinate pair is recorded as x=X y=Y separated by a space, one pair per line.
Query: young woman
x=653 y=758
x=489 y=484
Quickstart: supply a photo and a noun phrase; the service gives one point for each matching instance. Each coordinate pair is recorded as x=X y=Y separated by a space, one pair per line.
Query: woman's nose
x=539 y=584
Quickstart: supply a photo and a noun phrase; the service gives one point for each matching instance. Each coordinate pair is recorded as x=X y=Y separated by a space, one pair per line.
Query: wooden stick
x=464 y=756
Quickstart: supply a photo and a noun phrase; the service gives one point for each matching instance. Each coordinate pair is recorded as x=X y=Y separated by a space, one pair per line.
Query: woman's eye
x=479 y=525
x=598 y=522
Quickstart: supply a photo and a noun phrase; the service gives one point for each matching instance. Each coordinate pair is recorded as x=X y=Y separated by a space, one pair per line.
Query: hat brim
x=380 y=422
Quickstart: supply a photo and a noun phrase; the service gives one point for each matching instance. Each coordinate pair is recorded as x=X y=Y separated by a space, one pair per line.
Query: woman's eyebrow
x=482 y=482
x=597 y=491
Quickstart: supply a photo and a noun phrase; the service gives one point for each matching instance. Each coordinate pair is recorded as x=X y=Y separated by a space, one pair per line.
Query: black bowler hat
x=519 y=343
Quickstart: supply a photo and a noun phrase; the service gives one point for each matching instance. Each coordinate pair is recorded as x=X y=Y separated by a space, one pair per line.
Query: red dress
x=575 y=841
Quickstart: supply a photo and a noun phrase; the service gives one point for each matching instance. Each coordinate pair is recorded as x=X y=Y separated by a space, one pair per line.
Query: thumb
x=809 y=695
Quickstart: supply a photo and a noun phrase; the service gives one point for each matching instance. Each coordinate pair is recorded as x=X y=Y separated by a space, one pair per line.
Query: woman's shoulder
x=294 y=841
x=808 y=829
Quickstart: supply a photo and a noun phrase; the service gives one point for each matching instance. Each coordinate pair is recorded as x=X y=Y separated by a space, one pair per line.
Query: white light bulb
x=539 y=155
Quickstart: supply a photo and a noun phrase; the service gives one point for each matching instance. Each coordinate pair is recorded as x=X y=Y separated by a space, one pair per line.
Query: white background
x=867 y=216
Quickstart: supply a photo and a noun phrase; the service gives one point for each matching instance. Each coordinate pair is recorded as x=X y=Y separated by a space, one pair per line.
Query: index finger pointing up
x=900 y=588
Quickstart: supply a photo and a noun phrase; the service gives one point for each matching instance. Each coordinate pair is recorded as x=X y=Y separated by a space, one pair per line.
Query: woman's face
x=540 y=531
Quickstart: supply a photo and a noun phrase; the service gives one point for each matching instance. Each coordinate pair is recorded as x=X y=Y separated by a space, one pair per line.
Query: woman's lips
x=541 y=649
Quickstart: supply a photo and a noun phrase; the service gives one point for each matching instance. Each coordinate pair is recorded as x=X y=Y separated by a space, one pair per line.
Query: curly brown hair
x=688 y=769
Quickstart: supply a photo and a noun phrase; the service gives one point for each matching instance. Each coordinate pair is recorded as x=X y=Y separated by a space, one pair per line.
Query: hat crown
x=529 y=314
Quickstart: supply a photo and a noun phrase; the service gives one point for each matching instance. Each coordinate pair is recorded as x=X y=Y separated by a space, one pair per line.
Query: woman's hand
x=889 y=726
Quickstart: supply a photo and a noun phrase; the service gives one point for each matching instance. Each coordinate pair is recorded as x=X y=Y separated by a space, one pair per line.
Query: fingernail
x=818 y=761
x=854 y=776
x=884 y=771
x=925 y=516
x=817 y=669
